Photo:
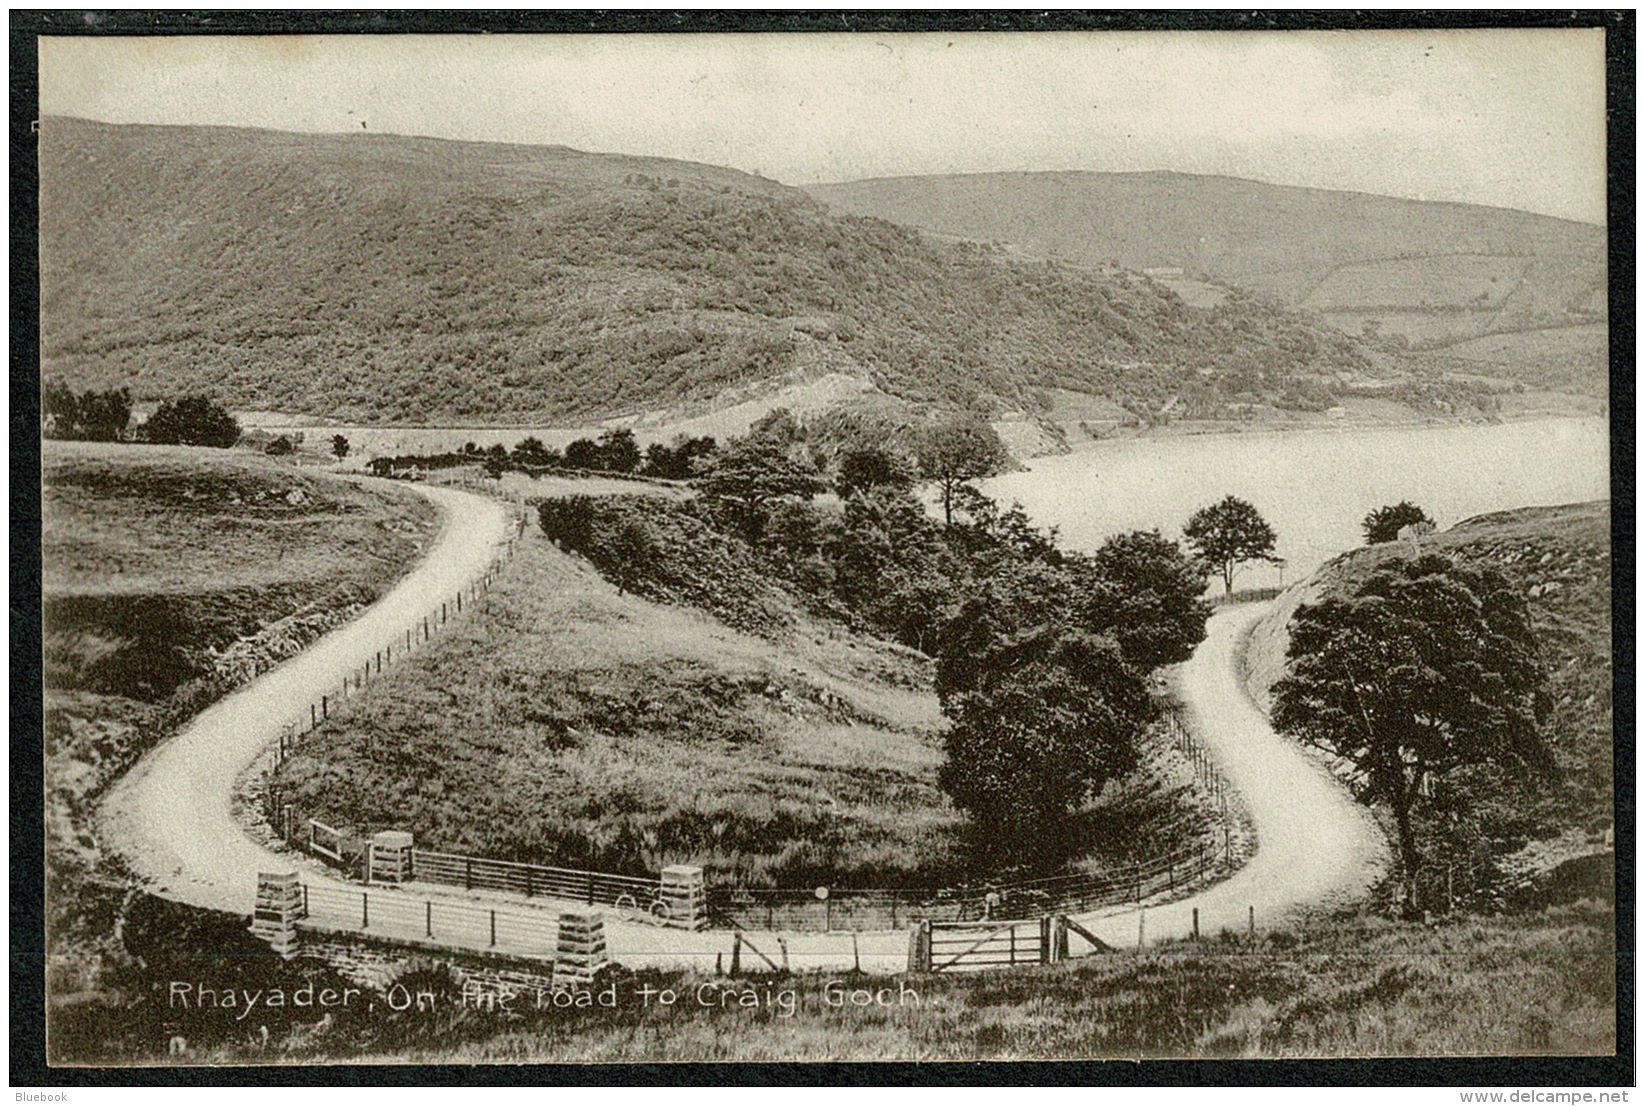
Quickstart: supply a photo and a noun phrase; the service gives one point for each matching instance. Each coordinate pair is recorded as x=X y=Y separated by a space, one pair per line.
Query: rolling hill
x=1427 y=275
x=379 y=278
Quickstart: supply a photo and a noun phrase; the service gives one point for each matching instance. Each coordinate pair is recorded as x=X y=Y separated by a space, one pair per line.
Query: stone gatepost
x=279 y=906
x=388 y=857
x=580 y=954
x=686 y=895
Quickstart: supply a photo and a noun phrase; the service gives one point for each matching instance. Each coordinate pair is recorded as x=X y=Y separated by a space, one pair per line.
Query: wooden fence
x=406 y=916
x=973 y=946
x=634 y=896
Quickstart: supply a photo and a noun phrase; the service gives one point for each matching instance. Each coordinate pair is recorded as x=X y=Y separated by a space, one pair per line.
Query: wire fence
x=638 y=898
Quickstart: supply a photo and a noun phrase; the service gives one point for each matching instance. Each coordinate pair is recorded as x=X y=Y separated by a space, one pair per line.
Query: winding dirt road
x=171 y=816
x=1315 y=845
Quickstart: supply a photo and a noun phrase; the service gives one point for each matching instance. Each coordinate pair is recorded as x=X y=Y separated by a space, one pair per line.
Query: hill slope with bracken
x=1560 y=560
x=384 y=278
x=1439 y=276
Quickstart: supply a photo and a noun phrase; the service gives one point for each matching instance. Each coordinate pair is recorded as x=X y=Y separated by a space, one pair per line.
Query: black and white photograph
x=922 y=545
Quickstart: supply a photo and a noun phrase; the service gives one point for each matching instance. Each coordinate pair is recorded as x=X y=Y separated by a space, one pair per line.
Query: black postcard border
x=27 y=1043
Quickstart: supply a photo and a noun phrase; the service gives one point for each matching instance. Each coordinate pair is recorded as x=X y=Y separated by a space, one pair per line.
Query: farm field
x=572 y=725
x=171 y=575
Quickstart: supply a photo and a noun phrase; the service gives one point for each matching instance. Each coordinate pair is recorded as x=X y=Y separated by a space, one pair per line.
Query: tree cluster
x=1042 y=654
x=90 y=416
x=192 y=420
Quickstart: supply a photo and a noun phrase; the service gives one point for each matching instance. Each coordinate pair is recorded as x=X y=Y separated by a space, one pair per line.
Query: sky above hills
x=1509 y=118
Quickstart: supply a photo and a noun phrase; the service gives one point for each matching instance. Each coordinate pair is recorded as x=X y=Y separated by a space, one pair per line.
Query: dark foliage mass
x=1428 y=667
x=427 y=281
x=90 y=416
x=192 y=420
x=1042 y=653
x=1385 y=523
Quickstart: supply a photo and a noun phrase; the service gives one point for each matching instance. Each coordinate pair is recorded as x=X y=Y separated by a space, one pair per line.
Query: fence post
x=1141 y=930
x=579 y=954
x=782 y=943
x=1045 y=940
x=279 y=905
x=325 y=707
x=425 y=627
x=1251 y=921
x=736 y=954
x=428 y=917
x=493 y=929
x=365 y=909
x=442 y=612
x=1196 y=923
x=681 y=887
x=312 y=720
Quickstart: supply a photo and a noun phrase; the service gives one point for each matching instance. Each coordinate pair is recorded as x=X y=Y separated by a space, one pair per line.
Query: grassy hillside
x=1344 y=987
x=710 y=714
x=172 y=575
x=1437 y=274
x=381 y=278
x=1560 y=558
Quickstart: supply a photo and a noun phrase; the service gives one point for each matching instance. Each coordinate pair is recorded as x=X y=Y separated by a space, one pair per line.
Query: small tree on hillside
x=1228 y=534
x=955 y=452
x=583 y=454
x=339 y=446
x=1428 y=666
x=1385 y=523
x=618 y=452
x=192 y=420
x=90 y=416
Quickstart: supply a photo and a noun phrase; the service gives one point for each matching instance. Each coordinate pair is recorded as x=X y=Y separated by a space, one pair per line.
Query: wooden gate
x=965 y=946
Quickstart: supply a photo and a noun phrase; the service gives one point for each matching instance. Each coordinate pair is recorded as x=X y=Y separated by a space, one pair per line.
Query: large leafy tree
x=1228 y=534
x=862 y=468
x=955 y=451
x=1054 y=715
x=1385 y=523
x=1428 y=666
x=754 y=471
x=192 y=420
x=1143 y=591
x=89 y=416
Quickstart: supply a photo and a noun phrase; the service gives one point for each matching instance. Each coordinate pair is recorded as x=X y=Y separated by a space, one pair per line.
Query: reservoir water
x=1313 y=486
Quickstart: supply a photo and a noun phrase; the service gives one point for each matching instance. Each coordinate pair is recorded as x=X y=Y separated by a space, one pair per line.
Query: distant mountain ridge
x=1437 y=273
x=380 y=278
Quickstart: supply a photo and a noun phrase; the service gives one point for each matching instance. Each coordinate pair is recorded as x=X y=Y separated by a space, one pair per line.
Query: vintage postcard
x=787 y=547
